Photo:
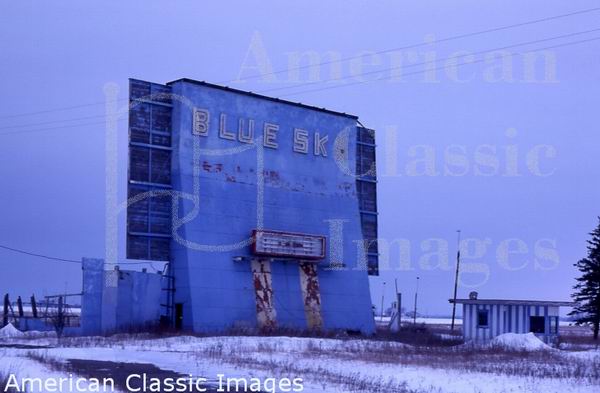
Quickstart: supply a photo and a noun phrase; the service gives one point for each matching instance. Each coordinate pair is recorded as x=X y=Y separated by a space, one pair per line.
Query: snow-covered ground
x=440 y=320
x=326 y=365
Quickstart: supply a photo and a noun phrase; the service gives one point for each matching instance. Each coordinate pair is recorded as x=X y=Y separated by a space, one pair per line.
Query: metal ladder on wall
x=168 y=317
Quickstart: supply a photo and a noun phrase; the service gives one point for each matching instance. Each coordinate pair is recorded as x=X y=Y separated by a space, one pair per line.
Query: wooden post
x=33 y=307
x=20 y=307
x=60 y=318
x=5 y=313
x=60 y=308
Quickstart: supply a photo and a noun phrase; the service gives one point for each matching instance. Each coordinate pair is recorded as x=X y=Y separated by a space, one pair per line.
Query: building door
x=178 y=316
x=537 y=325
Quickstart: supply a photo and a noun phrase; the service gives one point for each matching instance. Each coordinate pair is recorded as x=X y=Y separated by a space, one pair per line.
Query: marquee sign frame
x=268 y=243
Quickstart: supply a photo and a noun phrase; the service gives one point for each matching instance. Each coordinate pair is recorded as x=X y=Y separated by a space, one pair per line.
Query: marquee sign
x=289 y=245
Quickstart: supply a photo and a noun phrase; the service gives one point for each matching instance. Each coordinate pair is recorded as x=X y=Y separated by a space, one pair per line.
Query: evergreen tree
x=587 y=289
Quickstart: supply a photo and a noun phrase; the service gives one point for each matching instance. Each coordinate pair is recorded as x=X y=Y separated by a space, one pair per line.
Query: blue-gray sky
x=543 y=187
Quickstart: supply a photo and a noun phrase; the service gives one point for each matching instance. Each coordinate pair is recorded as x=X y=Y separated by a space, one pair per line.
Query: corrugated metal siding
x=473 y=328
x=505 y=319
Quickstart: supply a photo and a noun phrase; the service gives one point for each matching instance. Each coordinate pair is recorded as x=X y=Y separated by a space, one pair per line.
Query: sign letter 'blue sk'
x=265 y=209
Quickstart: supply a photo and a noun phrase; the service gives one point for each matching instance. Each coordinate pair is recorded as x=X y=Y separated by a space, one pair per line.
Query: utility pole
x=398 y=305
x=456 y=281
x=415 y=311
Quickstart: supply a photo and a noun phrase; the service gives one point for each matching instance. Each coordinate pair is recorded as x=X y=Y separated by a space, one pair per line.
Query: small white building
x=484 y=319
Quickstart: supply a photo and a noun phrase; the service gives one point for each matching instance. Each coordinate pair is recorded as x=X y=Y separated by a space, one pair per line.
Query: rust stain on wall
x=347 y=188
x=212 y=168
x=309 y=282
x=263 y=289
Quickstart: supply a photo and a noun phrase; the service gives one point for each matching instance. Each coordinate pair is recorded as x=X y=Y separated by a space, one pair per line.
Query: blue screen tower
x=265 y=209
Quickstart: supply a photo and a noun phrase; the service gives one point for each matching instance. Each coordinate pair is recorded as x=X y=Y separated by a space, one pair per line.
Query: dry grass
x=43 y=358
x=3 y=382
x=422 y=336
x=464 y=358
x=577 y=338
x=535 y=365
x=351 y=381
x=4 y=379
x=418 y=335
x=413 y=346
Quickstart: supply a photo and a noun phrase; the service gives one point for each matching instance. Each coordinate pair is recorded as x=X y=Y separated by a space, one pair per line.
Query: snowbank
x=527 y=342
x=9 y=331
x=40 y=334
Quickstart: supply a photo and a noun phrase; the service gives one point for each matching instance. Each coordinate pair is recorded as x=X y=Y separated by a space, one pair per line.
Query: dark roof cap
x=255 y=95
x=514 y=302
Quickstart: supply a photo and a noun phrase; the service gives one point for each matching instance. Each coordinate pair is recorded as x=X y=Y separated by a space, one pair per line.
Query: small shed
x=484 y=319
x=119 y=300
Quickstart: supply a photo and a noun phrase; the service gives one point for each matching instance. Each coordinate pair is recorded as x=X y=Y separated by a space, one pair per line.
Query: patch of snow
x=307 y=358
x=40 y=334
x=527 y=342
x=9 y=331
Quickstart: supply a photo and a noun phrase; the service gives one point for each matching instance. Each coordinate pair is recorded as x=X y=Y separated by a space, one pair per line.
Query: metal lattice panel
x=366 y=186
x=149 y=217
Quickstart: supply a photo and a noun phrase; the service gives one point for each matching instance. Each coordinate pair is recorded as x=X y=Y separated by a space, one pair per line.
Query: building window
x=482 y=318
x=553 y=325
x=537 y=324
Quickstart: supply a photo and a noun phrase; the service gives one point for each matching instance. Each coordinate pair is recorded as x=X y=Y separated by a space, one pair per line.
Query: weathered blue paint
x=117 y=300
x=91 y=301
x=300 y=193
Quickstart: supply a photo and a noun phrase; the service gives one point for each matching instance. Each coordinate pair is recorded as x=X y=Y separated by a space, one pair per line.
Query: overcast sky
x=506 y=148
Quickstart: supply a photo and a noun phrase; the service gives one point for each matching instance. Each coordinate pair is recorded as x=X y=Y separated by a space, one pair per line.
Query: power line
x=55 y=128
x=412 y=46
x=19 y=251
x=441 y=67
x=378 y=71
x=315 y=82
x=39 y=255
x=437 y=60
x=51 y=122
x=65 y=108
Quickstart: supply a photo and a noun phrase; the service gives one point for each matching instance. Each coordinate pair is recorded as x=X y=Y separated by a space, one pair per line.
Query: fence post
x=60 y=307
x=5 y=313
x=33 y=307
x=20 y=307
x=60 y=317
